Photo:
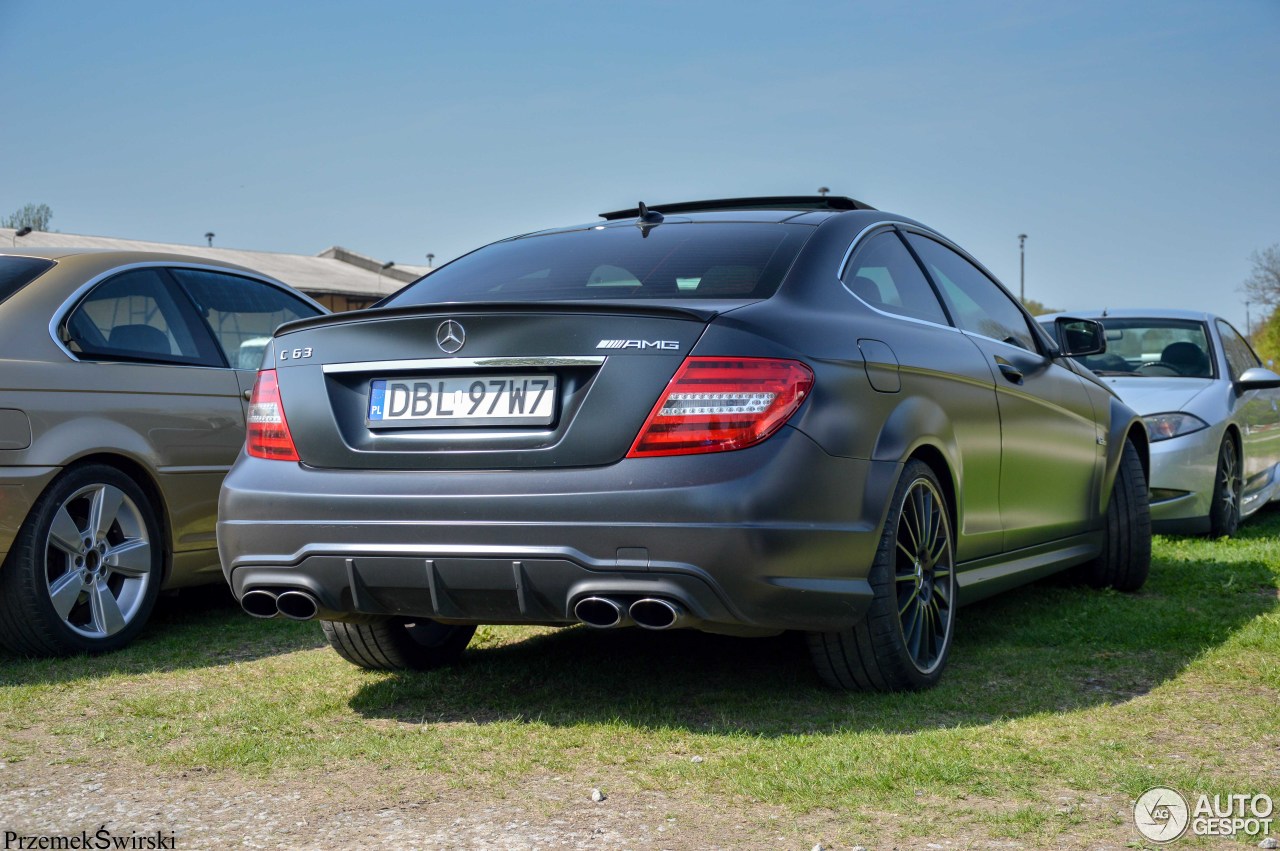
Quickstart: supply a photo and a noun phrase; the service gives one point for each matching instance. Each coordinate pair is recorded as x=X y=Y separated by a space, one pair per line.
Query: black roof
x=767 y=202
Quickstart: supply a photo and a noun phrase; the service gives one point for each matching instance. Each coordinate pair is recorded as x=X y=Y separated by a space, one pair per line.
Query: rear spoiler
x=703 y=312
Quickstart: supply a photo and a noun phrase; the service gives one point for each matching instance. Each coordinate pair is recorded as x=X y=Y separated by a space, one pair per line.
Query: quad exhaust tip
x=260 y=603
x=263 y=603
x=656 y=613
x=647 y=612
x=297 y=605
x=601 y=612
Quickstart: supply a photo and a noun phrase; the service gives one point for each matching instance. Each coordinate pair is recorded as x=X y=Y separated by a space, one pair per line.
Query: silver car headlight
x=1165 y=426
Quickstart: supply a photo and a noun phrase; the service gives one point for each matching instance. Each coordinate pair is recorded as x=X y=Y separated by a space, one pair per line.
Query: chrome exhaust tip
x=259 y=603
x=600 y=612
x=656 y=613
x=298 y=605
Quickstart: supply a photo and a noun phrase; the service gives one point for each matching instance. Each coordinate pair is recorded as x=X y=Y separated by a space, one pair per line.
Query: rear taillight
x=268 y=435
x=718 y=404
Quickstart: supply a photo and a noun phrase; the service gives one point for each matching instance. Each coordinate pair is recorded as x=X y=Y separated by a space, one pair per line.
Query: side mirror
x=1257 y=378
x=1078 y=337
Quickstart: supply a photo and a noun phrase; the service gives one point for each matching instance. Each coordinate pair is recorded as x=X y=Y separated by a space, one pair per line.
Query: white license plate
x=456 y=401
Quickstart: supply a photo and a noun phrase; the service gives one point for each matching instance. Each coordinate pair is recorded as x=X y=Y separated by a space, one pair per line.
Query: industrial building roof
x=334 y=270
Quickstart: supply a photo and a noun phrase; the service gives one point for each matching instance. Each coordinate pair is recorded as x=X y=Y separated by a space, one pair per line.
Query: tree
x=1266 y=339
x=1263 y=284
x=1035 y=308
x=34 y=216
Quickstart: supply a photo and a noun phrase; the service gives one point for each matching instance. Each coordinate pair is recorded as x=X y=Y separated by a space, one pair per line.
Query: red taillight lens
x=718 y=404
x=268 y=435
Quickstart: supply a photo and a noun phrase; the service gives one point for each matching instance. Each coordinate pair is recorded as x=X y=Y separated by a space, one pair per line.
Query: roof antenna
x=647 y=220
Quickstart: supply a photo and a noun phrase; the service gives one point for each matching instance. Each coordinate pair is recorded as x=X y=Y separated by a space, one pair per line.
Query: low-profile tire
x=85 y=569
x=1224 y=513
x=904 y=640
x=397 y=644
x=1126 y=554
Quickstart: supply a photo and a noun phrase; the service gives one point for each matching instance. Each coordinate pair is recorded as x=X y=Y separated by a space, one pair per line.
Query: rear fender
x=65 y=442
x=924 y=421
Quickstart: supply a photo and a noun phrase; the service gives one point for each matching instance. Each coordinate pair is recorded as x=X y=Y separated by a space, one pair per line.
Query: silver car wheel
x=1224 y=513
x=1228 y=477
x=98 y=561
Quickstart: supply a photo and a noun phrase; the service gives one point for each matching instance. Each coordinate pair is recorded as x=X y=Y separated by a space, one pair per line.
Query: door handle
x=1009 y=371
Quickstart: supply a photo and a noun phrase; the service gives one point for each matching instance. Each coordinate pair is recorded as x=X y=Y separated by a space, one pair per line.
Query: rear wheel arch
x=937 y=461
x=914 y=416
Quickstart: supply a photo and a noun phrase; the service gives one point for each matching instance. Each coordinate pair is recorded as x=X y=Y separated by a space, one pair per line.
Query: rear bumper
x=20 y=487
x=779 y=536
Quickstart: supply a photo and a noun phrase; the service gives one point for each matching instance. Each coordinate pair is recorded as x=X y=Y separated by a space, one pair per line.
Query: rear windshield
x=672 y=261
x=17 y=272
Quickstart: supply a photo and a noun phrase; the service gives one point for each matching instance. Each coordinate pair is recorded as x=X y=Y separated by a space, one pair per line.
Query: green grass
x=1056 y=697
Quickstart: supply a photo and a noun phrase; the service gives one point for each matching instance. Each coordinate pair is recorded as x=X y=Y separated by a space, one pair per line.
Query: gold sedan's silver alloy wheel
x=98 y=561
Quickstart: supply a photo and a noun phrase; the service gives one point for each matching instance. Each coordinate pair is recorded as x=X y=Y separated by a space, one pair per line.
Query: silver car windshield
x=1154 y=348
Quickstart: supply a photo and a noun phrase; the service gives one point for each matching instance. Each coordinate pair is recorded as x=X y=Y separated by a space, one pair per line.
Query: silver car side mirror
x=1257 y=378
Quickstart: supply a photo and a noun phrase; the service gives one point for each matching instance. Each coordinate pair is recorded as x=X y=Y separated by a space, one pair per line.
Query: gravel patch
x=197 y=810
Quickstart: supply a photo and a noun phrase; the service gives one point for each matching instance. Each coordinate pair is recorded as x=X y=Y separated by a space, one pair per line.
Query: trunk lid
x=479 y=387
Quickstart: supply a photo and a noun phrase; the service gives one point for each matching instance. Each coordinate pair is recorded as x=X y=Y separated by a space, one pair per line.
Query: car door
x=1051 y=457
x=935 y=366
x=1257 y=411
x=242 y=313
x=152 y=383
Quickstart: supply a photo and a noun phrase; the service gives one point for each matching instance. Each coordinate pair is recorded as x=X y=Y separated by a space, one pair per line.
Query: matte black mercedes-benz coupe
x=743 y=416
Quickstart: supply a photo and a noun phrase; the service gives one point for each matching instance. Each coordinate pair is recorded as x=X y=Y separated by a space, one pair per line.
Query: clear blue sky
x=1137 y=143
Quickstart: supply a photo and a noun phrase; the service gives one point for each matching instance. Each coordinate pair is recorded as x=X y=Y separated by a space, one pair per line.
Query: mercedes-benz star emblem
x=450 y=336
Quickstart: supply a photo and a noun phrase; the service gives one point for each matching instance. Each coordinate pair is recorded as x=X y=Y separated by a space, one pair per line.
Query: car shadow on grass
x=1050 y=647
x=194 y=628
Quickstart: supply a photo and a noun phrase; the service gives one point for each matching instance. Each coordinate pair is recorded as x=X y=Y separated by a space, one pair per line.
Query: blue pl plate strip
x=377 y=395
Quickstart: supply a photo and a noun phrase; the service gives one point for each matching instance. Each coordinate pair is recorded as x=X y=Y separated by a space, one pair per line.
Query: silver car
x=1212 y=413
x=123 y=382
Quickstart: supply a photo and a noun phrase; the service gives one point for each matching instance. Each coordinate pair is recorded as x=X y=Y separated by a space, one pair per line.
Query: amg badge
x=666 y=345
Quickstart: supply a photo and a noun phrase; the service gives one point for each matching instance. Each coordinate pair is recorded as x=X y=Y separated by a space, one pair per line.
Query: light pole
x=384 y=267
x=431 y=261
x=822 y=190
x=209 y=236
x=1022 y=268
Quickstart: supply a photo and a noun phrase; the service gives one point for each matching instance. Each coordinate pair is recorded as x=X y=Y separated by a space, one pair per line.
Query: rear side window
x=135 y=316
x=671 y=261
x=242 y=313
x=17 y=272
x=885 y=275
